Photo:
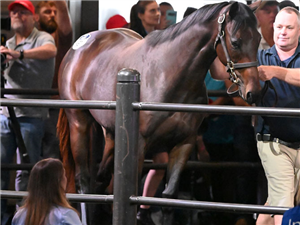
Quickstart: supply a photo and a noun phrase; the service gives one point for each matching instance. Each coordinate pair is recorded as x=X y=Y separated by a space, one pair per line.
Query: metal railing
x=148 y=165
x=127 y=109
x=17 y=91
x=177 y=203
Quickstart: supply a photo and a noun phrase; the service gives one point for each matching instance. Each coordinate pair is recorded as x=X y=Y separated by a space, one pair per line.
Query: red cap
x=26 y=3
x=116 y=21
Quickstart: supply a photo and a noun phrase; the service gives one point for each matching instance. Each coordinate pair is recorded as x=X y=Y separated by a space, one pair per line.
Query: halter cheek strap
x=231 y=66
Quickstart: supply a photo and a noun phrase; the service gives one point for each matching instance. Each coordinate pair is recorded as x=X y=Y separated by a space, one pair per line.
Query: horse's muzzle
x=253 y=97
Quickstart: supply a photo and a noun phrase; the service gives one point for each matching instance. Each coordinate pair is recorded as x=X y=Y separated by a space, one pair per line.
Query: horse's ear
x=254 y=5
x=233 y=10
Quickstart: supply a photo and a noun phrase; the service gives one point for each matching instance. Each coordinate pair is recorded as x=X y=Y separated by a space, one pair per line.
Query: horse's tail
x=63 y=132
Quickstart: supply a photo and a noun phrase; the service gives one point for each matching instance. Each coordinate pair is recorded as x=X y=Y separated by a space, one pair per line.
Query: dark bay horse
x=173 y=64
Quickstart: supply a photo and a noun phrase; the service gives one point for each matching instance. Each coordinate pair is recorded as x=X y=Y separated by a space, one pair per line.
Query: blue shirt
x=292 y=216
x=58 y=216
x=284 y=128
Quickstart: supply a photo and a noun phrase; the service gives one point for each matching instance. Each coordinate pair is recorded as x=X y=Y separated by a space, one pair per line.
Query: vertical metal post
x=126 y=152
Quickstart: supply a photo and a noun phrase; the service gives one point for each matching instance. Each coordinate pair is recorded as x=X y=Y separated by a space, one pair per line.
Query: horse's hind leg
x=177 y=160
x=104 y=175
x=80 y=122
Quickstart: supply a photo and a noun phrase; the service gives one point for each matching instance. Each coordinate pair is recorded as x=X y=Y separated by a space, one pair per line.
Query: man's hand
x=289 y=75
x=10 y=54
x=267 y=72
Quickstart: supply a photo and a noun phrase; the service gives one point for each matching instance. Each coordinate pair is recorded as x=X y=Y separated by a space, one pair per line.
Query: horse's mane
x=203 y=15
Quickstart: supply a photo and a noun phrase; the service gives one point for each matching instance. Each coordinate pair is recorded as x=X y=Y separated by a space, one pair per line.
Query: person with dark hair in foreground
x=46 y=202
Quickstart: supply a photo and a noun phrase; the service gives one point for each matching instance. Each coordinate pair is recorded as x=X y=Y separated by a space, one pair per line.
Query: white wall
x=122 y=7
x=75 y=12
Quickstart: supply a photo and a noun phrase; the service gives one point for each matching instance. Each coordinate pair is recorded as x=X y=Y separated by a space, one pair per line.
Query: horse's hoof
x=144 y=217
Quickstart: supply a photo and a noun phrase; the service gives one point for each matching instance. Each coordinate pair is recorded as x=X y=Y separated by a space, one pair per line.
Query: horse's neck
x=192 y=46
x=185 y=59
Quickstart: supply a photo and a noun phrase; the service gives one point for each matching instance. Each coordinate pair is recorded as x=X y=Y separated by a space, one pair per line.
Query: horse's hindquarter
x=91 y=64
x=90 y=71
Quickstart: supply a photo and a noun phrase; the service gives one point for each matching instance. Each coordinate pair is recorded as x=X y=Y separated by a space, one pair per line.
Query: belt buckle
x=263 y=137
x=276 y=140
x=266 y=137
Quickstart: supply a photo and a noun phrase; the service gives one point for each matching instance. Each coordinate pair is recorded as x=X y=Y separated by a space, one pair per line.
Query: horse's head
x=236 y=46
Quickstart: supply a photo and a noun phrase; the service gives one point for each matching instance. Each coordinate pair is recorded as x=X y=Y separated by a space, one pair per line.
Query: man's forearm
x=290 y=75
x=63 y=17
x=43 y=52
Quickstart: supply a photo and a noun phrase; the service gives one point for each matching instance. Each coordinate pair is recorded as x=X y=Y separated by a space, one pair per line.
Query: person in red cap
x=31 y=54
x=25 y=3
x=116 y=21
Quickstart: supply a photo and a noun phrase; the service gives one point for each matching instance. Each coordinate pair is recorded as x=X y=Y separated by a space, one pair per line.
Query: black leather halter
x=231 y=66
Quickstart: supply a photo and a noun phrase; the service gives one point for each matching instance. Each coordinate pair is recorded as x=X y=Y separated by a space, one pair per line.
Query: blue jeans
x=32 y=130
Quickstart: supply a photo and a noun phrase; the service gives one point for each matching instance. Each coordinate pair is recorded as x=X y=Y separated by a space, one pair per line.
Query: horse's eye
x=235 y=45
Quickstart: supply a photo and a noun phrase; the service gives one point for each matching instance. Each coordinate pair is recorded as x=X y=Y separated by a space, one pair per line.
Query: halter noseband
x=231 y=66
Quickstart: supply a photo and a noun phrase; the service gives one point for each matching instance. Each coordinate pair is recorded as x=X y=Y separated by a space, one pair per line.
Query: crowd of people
x=43 y=35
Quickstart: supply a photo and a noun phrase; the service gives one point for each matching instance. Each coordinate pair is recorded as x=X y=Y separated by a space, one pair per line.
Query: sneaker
x=144 y=217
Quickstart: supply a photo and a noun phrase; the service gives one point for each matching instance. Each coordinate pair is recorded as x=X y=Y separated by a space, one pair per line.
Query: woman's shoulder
x=64 y=215
x=63 y=210
x=19 y=217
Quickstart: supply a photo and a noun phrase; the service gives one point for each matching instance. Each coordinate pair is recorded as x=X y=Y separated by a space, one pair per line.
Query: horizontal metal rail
x=191 y=165
x=90 y=198
x=87 y=104
x=220 y=109
x=23 y=91
x=166 y=202
x=17 y=91
x=211 y=206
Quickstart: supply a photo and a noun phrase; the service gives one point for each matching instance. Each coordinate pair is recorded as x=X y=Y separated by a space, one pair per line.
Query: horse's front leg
x=177 y=160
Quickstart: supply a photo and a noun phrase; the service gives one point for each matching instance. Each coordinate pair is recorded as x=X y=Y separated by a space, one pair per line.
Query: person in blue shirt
x=292 y=216
x=278 y=138
x=46 y=202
